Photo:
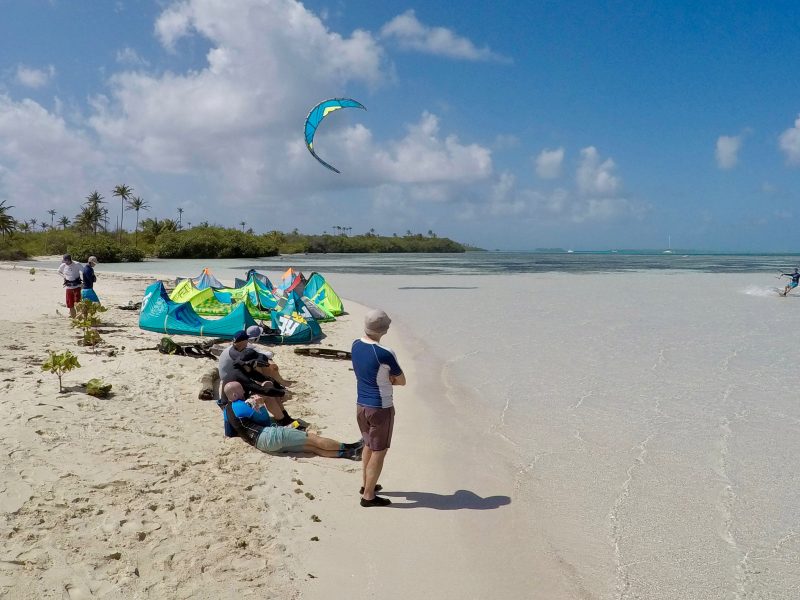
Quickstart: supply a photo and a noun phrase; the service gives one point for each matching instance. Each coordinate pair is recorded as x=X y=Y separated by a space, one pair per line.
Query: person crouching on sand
x=71 y=272
x=237 y=365
x=247 y=420
x=376 y=370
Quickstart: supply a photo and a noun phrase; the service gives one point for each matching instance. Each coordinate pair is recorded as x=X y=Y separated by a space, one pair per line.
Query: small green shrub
x=95 y=387
x=87 y=318
x=60 y=363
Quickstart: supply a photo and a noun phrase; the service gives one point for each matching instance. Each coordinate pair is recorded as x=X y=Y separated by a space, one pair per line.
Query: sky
x=507 y=125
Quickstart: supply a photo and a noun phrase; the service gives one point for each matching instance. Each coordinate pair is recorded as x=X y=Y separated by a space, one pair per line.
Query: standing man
x=71 y=272
x=88 y=280
x=376 y=370
x=793 y=283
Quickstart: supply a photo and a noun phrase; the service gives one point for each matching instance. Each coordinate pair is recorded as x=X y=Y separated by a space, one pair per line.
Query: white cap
x=254 y=332
x=92 y=260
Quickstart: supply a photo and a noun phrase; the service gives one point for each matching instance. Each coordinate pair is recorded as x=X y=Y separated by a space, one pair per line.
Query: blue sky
x=513 y=125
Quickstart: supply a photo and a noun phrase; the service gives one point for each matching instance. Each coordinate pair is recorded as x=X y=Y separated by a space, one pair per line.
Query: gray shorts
x=281 y=439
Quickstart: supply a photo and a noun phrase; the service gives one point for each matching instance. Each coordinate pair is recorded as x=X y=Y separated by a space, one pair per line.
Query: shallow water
x=649 y=416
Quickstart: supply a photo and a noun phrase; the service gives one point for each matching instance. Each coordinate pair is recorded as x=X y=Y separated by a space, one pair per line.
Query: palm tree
x=93 y=214
x=168 y=225
x=242 y=223
x=137 y=204
x=7 y=223
x=152 y=227
x=32 y=222
x=64 y=221
x=124 y=192
x=24 y=227
x=180 y=215
x=43 y=225
x=52 y=214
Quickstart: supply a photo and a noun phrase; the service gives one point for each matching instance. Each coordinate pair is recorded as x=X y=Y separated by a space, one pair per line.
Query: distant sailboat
x=669 y=245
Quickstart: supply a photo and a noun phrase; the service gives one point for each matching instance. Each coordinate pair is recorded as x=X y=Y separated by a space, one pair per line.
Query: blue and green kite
x=319 y=112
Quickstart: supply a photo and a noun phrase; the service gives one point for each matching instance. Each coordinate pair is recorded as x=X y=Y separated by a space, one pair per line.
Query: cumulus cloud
x=727 y=152
x=548 y=163
x=411 y=34
x=789 y=142
x=34 y=78
x=596 y=177
x=229 y=132
x=423 y=155
x=43 y=161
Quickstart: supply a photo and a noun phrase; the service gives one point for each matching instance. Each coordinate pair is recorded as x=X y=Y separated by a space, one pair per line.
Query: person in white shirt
x=71 y=272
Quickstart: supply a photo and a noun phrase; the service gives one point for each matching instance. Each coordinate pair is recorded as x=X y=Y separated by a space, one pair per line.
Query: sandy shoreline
x=139 y=495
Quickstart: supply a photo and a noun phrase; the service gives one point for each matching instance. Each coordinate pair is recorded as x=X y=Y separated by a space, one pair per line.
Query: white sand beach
x=563 y=436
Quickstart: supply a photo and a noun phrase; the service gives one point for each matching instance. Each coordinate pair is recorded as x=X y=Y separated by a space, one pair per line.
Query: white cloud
x=596 y=178
x=548 y=163
x=423 y=156
x=790 y=143
x=410 y=34
x=727 y=152
x=129 y=56
x=43 y=162
x=230 y=133
x=502 y=201
x=34 y=78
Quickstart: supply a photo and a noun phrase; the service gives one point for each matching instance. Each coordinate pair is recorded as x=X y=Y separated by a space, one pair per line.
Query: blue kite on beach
x=319 y=112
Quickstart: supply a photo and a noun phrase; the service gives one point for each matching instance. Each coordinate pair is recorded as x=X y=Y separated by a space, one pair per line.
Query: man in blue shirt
x=376 y=370
x=250 y=421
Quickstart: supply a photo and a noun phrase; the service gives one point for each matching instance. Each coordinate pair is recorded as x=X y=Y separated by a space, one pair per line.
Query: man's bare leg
x=373 y=465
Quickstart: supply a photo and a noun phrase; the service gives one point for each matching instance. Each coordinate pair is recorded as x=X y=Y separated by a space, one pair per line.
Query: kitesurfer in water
x=793 y=283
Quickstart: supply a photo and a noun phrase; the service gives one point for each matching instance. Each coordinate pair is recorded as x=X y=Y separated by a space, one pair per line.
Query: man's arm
x=398 y=379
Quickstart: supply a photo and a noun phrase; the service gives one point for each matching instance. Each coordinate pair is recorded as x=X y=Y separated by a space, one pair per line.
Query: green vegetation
x=61 y=363
x=87 y=318
x=95 y=387
x=89 y=233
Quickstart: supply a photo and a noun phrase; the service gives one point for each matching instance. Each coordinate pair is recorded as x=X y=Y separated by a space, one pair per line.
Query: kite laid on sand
x=319 y=112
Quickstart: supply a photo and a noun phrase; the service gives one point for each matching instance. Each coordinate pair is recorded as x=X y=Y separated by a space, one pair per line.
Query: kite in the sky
x=319 y=112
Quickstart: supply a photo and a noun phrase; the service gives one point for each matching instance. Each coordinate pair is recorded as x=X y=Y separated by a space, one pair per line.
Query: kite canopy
x=202 y=281
x=321 y=293
x=296 y=325
x=161 y=314
x=319 y=112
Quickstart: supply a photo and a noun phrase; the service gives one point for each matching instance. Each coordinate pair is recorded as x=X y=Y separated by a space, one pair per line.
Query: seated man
x=248 y=420
x=261 y=360
x=237 y=364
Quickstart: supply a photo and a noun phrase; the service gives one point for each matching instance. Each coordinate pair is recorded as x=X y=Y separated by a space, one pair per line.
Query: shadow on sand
x=459 y=500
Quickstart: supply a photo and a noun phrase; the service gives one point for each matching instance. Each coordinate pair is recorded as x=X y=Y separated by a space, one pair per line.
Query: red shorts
x=73 y=296
x=376 y=425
